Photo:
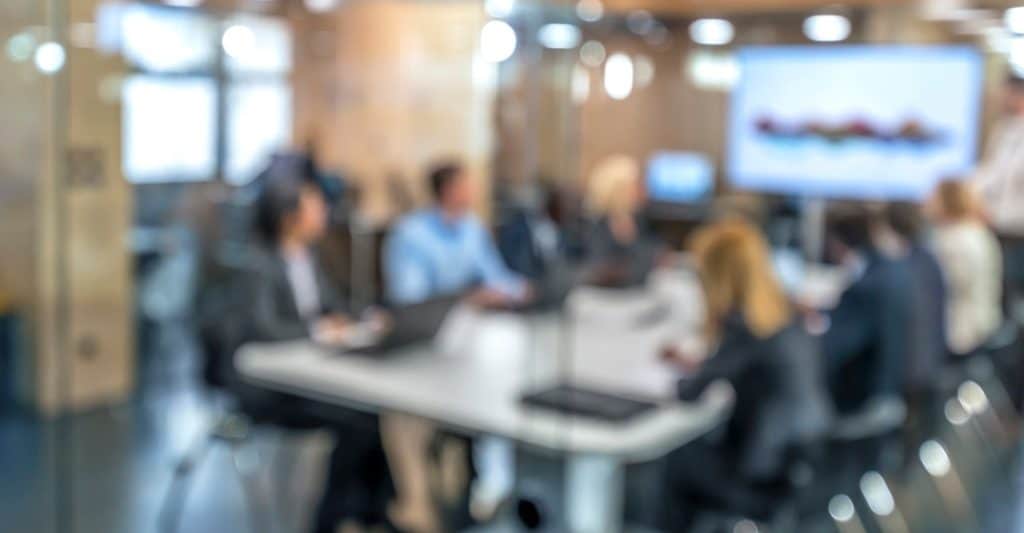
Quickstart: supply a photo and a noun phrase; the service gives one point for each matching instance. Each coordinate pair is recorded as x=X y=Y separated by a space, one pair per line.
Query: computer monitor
x=680 y=177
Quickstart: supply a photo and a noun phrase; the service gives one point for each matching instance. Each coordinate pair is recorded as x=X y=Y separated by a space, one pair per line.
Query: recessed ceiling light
x=712 y=32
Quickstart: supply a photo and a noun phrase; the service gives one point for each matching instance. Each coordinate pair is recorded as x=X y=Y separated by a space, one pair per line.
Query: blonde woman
x=620 y=252
x=972 y=262
x=771 y=362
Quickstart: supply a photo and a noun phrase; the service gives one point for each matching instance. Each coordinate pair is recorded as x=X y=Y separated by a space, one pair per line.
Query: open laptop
x=410 y=324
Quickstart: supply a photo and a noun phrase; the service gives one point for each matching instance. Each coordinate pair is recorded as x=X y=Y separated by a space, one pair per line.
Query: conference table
x=471 y=379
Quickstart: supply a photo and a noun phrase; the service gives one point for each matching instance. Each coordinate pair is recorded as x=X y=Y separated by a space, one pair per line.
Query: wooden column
x=66 y=214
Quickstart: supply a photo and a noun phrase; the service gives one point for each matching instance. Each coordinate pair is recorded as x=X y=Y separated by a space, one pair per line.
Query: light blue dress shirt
x=427 y=255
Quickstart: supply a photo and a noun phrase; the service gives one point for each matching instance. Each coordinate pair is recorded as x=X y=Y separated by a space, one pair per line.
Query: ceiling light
x=712 y=32
x=50 y=58
x=321 y=6
x=618 y=76
x=827 y=28
x=500 y=8
x=238 y=41
x=559 y=36
x=590 y=10
x=497 y=41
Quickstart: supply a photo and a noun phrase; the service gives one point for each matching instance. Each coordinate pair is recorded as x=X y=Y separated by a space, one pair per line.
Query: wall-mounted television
x=882 y=122
x=680 y=177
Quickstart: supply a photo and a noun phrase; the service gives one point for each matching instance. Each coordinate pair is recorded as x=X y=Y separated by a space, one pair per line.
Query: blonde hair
x=608 y=187
x=956 y=200
x=733 y=261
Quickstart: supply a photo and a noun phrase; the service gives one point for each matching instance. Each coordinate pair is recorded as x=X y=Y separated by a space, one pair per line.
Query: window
x=169 y=129
x=209 y=97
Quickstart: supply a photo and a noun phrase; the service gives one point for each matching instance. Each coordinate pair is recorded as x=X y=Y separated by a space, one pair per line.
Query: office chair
x=221 y=304
x=868 y=440
x=220 y=331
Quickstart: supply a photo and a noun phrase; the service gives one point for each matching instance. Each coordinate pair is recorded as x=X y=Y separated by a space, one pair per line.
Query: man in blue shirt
x=445 y=249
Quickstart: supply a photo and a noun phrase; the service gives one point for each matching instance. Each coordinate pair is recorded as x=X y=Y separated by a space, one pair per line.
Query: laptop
x=411 y=324
x=588 y=403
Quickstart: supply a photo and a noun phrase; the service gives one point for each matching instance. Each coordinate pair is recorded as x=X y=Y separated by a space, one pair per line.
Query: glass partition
x=258 y=256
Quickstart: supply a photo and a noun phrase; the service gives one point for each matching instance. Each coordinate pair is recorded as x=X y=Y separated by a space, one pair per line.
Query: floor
x=122 y=459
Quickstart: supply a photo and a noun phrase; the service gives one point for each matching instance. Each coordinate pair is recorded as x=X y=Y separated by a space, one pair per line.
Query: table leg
x=571 y=493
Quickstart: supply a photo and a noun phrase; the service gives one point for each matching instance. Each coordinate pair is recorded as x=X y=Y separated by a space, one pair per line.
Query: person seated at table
x=292 y=298
x=773 y=365
x=867 y=334
x=928 y=329
x=971 y=259
x=442 y=250
x=445 y=249
x=620 y=251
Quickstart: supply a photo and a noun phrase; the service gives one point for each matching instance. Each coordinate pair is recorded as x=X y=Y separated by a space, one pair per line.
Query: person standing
x=1000 y=182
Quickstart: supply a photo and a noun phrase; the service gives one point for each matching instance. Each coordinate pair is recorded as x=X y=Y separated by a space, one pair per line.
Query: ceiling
x=711 y=7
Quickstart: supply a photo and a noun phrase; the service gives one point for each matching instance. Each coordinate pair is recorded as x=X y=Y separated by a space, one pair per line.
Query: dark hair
x=850 y=225
x=441 y=176
x=281 y=190
x=906 y=219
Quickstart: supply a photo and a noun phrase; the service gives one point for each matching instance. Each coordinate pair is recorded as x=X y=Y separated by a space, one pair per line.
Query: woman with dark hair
x=292 y=298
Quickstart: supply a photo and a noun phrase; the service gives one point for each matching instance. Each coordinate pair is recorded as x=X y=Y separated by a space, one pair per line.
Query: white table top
x=472 y=377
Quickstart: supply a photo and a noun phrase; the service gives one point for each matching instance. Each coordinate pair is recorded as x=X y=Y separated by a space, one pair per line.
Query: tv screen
x=881 y=122
x=679 y=177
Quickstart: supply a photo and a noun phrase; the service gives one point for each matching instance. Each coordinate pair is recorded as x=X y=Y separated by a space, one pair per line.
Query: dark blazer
x=868 y=338
x=273 y=314
x=270 y=315
x=928 y=347
x=616 y=263
x=781 y=399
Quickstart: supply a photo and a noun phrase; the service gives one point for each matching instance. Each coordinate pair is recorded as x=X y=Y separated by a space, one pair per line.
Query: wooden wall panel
x=688 y=8
x=63 y=225
x=394 y=93
x=99 y=283
x=23 y=106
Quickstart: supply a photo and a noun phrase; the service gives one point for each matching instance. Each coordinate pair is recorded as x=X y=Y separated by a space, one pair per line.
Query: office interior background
x=138 y=136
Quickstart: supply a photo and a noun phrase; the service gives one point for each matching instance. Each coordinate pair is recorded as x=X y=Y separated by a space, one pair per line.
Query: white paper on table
x=457 y=331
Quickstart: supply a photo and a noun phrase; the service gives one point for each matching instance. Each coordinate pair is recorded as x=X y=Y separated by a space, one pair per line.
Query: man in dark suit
x=868 y=333
x=928 y=349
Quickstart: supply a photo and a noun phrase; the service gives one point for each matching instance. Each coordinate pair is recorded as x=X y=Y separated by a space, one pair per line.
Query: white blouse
x=972 y=263
x=302 y=278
